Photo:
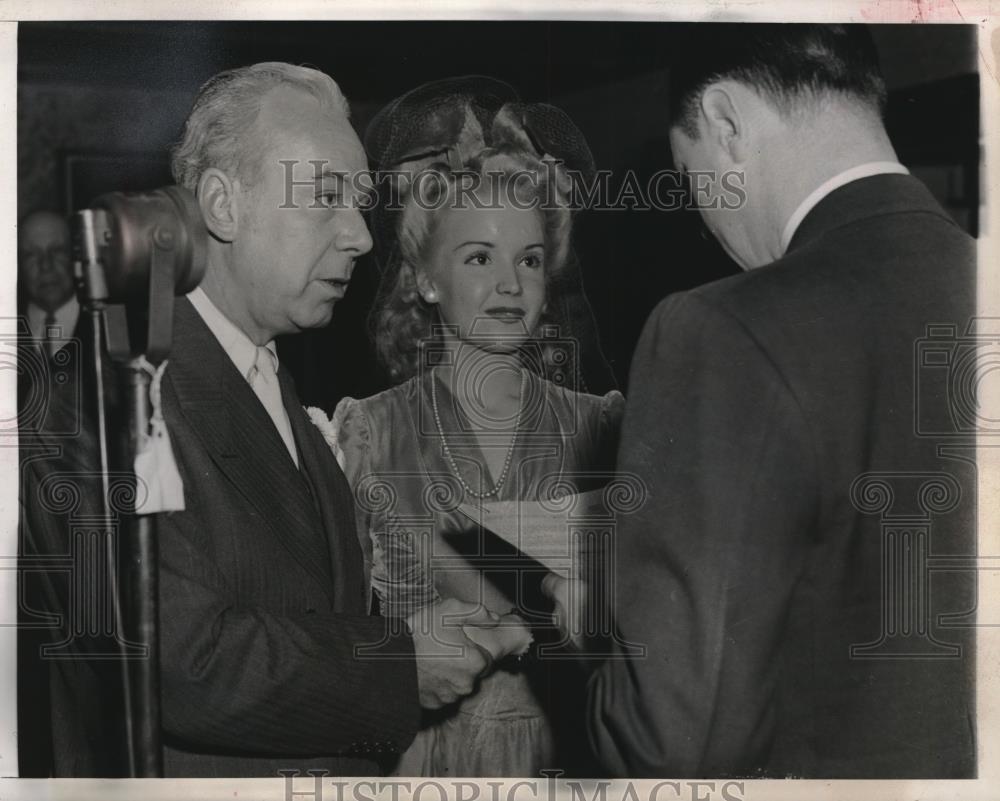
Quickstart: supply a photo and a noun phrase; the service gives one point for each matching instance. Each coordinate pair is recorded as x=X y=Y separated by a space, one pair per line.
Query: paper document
x=547 y=531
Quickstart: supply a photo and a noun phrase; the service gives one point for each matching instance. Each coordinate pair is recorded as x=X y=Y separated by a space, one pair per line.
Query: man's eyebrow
x=341 y=176
x=327 y=173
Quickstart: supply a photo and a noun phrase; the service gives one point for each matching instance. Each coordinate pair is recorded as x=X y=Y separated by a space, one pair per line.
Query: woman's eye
x=479 y=257
x=533 y=261
x=329 y=199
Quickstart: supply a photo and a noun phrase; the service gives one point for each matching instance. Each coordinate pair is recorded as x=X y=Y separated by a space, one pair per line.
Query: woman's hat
x=451 y=120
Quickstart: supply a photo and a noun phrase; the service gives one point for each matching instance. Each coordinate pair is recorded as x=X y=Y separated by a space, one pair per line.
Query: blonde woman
x=471 y=419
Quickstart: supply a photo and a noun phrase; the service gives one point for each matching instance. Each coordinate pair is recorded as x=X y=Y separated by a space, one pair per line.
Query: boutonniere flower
x=324 y=424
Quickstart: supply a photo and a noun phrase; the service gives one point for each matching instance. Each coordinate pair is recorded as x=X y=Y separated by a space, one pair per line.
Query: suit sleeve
x=241 y=677
x=706 y=566
x=248 y=680
x=235 y=677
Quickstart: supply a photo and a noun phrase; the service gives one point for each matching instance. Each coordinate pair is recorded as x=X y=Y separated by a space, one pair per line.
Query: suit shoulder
x=848 y=274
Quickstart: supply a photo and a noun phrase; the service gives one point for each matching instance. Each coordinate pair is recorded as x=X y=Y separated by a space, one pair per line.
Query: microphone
x=133 y=253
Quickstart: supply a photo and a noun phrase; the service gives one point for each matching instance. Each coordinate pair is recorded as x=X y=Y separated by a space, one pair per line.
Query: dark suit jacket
x=758 y=408
x=263 y=597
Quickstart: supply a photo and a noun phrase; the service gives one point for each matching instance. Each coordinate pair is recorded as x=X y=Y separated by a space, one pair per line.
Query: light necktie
x=49 y=343
x=264 y=382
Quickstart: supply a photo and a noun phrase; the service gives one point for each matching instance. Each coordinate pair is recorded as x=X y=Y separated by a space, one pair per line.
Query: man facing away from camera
x=771 y=416
x=264 y=600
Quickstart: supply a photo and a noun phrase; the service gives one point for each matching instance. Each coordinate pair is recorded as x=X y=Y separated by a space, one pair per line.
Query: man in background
x=45 y=270
x=771 y=417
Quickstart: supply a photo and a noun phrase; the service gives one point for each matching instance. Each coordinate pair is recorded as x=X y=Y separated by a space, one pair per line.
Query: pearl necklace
x=510 y=450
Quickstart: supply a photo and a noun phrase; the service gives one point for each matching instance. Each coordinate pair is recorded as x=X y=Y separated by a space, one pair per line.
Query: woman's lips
x=506 y=314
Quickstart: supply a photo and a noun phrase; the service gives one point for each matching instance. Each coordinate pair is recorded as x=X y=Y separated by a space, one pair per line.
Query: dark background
x=99 y=103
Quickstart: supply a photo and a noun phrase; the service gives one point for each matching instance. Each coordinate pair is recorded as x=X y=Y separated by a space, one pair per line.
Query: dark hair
x=786 y=62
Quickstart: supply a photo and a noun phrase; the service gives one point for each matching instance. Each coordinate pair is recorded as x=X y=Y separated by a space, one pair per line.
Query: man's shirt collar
x=237 y=345
x=847 y=176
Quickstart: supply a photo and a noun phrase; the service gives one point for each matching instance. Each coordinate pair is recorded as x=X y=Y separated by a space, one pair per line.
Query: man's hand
x=509 y=636
x=570 y=598
x=448 y=662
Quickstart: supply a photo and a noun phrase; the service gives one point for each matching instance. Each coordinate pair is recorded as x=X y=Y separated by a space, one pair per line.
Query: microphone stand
x=144 y=249
x=143 y=585
x=94 y=293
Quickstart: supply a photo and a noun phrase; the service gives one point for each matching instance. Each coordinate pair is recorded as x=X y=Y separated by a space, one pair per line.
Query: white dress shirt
x=847 y=176
x=63 y=326
x=257 y=364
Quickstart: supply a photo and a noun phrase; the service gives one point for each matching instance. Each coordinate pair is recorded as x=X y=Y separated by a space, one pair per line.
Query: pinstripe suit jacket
x=263 y=597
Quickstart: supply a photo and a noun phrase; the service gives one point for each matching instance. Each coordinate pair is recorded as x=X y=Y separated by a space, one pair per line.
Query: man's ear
x=219 y=204
x=725 y=123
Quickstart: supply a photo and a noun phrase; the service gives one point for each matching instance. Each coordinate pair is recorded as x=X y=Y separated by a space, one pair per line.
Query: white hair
x=217 y=131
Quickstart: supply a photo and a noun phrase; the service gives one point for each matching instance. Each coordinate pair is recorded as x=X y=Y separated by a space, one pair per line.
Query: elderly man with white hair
x=270 y=657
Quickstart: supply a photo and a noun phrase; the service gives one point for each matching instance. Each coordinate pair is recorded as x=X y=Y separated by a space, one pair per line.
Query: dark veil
x=448 y=122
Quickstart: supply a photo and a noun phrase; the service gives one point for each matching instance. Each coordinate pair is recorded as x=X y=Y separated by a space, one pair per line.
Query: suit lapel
x=334 y=500
x=236 y=429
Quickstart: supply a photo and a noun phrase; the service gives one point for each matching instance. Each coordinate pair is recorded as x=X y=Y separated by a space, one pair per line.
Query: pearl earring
x=431 y=296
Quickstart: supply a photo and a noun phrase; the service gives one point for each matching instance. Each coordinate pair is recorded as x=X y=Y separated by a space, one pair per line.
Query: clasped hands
x=456 y=643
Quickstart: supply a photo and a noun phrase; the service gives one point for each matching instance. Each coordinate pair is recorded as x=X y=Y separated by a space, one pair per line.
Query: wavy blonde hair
x=402 y=320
